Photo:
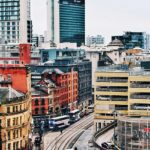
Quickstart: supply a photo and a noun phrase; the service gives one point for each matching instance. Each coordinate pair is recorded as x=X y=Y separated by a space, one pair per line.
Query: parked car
x=37 y=141
x=107 y=145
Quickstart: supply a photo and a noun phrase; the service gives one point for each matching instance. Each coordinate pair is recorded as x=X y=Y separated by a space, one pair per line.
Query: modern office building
x=122 y=90
x=66 y=21
x=132 y=39
x=37 y=40
x=94 y=40
x=15 y=21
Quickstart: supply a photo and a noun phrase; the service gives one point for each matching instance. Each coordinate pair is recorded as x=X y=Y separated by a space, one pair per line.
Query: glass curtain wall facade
x=72 y=21
x=15 y=22
x=9 y=20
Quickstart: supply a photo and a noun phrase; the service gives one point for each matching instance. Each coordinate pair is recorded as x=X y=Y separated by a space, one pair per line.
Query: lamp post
x=114 y=113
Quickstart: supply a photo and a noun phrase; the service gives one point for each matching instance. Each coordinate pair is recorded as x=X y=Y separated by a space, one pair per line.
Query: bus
x=59 y=123
x=74 y=116
x=91 y=108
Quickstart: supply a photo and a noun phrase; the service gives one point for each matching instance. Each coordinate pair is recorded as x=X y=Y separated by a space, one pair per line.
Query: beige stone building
x=15 y=118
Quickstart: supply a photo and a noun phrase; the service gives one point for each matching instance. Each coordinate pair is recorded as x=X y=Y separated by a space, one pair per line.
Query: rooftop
x=9 y=94
x=136 y=71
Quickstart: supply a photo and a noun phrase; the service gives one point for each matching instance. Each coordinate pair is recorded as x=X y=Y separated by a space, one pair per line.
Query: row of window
x=15 y=121
x=9 y=23
x=14 y=134
x=6 y=18
x=40 y=111
x=5 y=4
x=18 y=108
x=37 y=102
x=15 y=145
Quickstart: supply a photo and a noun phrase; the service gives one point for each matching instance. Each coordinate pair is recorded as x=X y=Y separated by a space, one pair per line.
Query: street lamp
x=115 y=114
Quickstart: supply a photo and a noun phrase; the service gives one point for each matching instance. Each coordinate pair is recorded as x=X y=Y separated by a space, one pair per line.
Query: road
x=105 y=137
x=58 y=141
x=82 y=142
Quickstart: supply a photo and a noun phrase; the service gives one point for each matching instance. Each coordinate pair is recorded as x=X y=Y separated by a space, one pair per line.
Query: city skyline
x=107 y=17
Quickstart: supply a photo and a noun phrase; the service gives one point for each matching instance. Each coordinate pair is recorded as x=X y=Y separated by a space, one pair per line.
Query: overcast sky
x=105 y=17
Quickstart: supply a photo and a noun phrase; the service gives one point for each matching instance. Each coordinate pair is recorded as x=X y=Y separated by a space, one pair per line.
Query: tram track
x=63 y=140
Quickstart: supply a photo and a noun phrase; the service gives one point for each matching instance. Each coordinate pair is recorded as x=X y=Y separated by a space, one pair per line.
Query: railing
x=17 y=99
x=140 y=96
x=112 y=89
x=102 y=131
x=112 y=80
x=140 y=86
x=110 y=99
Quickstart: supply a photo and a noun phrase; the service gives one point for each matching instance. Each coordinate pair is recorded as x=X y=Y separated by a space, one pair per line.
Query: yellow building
x=120 y=91
x=15 y=118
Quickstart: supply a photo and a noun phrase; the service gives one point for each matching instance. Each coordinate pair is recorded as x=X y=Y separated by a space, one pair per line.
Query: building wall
x=16 y=122
x=25 y=53
x=111 y=93
x=18 y=75
x=125 y=92
x=39 y=108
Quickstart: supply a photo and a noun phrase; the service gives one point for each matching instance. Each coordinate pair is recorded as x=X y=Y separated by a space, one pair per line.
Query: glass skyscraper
x=15 y=21
x=66 y=21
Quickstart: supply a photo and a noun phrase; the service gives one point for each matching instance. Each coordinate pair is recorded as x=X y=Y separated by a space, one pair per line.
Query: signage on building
x=141 y=134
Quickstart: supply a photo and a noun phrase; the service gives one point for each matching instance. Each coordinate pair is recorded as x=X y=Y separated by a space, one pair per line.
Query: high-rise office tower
x=66 y=21
x=15 y=21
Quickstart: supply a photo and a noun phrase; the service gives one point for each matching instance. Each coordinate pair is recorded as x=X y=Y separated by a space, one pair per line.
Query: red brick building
x=61 y=93
x=66 y=90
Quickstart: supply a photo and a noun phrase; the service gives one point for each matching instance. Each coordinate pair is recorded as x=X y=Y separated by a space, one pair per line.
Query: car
x=37 y=141
x=90 y=143
x=107 y=145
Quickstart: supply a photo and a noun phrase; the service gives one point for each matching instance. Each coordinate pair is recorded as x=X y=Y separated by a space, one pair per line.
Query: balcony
x=112 y=80
x=140 y=85
x=106 y=98
x=112 y=89
x=140 y=96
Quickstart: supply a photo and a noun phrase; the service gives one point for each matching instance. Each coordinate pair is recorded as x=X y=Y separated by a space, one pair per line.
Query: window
x=20 y=133
x=43 y=110
x=8 y=135
x=16 y=108
x=9 y=146
x=14 y=146
x=13 y=121
x=13 y=134
x=36 y=102
x=43 y=101
x=8 y=122
x=8 y=109
x=13 y=108
x=36 y=110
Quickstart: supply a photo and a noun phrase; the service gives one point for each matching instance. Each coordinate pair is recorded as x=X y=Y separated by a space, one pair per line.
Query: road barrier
x=102 y=131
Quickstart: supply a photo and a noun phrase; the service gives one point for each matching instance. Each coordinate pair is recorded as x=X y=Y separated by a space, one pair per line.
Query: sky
x=104 y=17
